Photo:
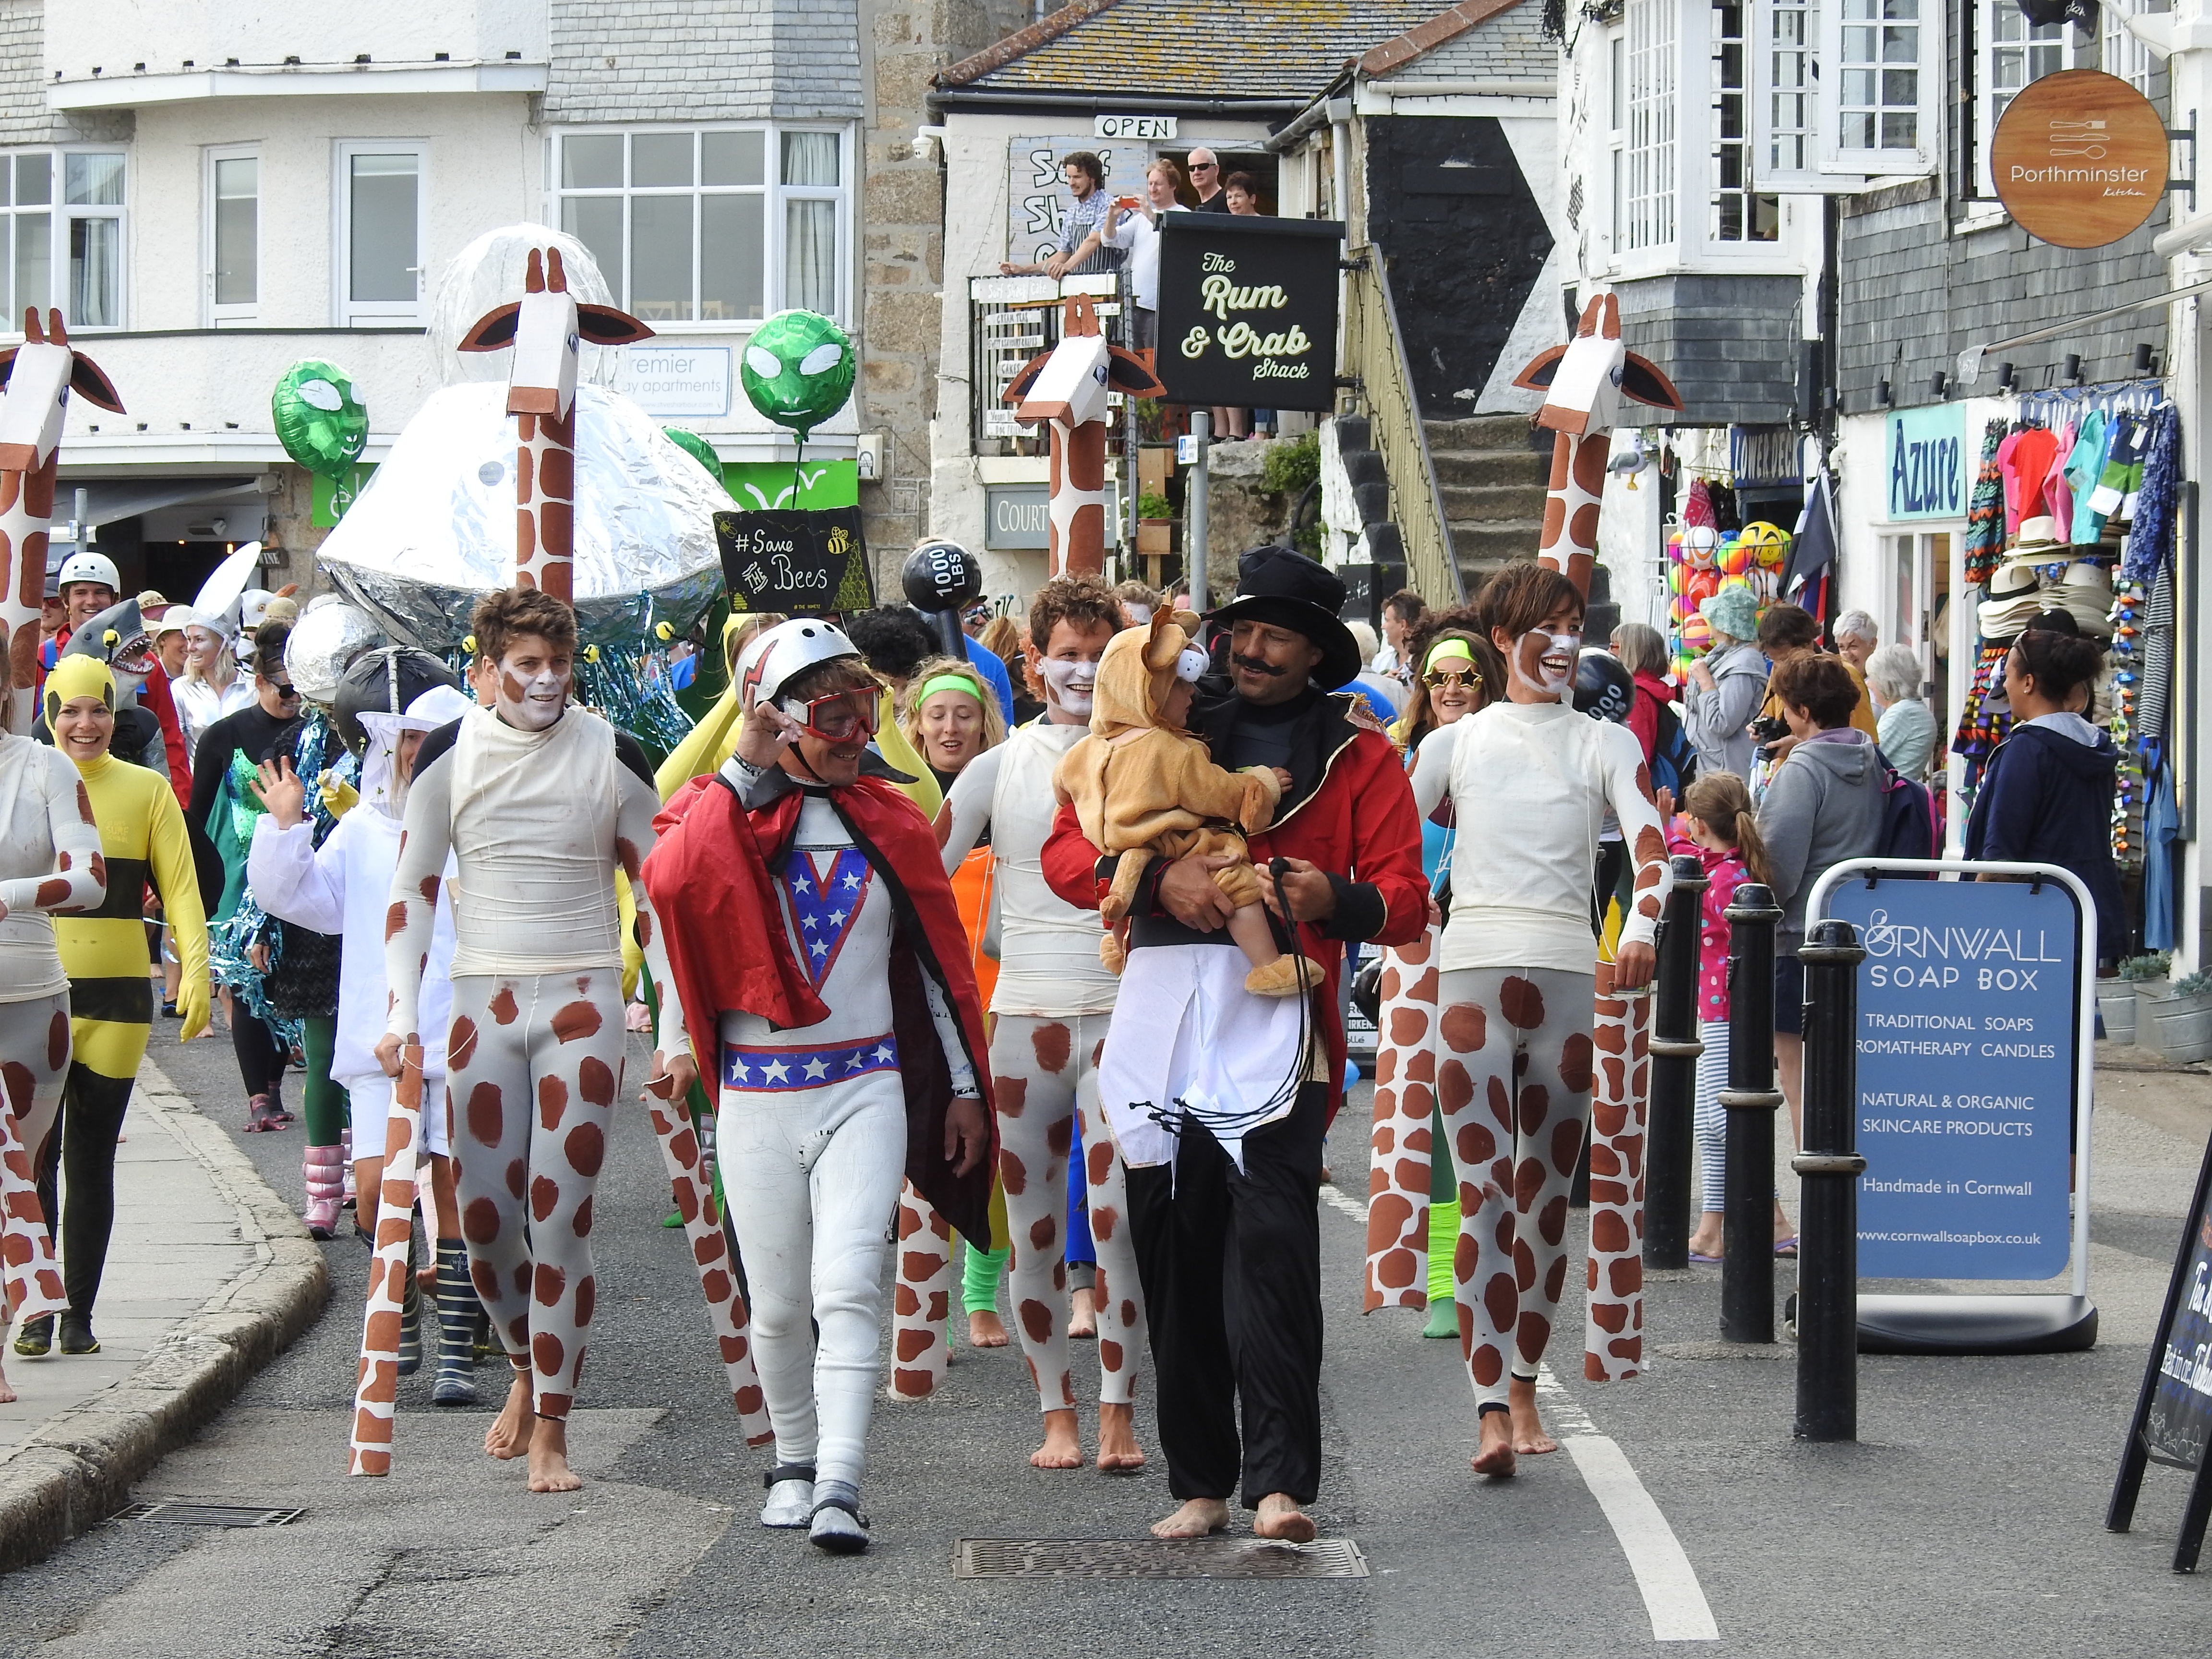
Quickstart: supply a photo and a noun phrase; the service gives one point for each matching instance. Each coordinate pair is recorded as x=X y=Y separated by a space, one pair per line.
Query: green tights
x=325 y=1101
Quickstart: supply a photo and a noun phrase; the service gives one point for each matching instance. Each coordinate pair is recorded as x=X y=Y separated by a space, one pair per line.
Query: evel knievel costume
x=826 y=989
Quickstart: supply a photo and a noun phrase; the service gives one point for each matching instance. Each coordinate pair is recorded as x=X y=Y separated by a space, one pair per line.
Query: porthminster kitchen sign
x=1247 y=311
x=2079 y=158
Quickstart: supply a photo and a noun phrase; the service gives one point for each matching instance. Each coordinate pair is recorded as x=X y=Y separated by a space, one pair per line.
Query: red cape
x=707 y=876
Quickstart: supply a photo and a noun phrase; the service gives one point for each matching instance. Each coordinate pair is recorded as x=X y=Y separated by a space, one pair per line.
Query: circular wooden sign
x=2079 y=158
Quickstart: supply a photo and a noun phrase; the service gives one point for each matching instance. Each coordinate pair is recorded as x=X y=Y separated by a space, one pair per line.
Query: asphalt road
x=1966 y=1521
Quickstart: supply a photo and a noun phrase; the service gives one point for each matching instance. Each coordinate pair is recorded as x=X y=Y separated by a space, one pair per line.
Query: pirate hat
x=1283 y=588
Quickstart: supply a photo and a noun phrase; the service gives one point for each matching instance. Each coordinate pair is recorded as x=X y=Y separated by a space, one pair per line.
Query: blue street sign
x=1969 y=1004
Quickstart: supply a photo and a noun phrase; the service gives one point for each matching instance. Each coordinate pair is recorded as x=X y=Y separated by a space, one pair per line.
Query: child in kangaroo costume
x=1140 y=783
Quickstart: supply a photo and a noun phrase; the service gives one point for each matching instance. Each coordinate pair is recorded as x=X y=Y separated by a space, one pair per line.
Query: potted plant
x=2115 y=997
x=1155 y=523
x=2178 y=1025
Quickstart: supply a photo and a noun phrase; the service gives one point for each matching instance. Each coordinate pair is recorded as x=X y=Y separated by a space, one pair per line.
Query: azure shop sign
x=1925 y=459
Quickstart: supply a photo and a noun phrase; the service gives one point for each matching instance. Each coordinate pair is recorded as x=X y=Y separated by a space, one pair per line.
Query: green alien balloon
x=797 y=370
x=318 y=421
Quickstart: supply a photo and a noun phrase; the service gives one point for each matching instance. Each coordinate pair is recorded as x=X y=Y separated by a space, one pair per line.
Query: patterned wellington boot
x=410 y=1320
x=321 y=1166
x=457 y=1326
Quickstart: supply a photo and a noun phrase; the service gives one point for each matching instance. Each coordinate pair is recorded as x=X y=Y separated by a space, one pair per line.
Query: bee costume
x=141 y=837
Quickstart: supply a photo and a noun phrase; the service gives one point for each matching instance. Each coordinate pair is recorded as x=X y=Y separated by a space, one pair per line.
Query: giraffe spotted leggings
x=533 y=1068
x=1514 y=1085
x=1045 y=1071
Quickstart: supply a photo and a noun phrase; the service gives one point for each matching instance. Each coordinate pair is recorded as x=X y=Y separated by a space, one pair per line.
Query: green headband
x=947 y=683
x=1447 y=648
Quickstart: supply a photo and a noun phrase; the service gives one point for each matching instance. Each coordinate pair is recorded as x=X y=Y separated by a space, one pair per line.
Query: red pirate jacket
x=1349 y=810
x=708 y=877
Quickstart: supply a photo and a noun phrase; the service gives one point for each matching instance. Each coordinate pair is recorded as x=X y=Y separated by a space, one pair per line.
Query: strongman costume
x=1227 y=1241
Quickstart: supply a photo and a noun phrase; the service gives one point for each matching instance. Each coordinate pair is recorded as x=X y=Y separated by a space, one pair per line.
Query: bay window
x=712 y=225
x=61 y=235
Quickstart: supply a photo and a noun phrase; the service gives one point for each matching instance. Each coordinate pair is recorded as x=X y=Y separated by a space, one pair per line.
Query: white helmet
x=90 y=566
x=781 y=653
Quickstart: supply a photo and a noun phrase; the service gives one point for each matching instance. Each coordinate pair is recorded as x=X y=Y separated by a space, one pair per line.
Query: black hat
x=1283 y=588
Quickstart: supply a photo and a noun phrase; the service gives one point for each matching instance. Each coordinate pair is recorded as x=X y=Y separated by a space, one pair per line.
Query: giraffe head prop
x=1583 y=380
x=546 y=328
x=1068 y=384
x=39 y=375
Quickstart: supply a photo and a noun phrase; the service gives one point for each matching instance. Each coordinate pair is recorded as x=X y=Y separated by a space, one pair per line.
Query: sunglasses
x=1439 y=678
x=839 y=717
x=1204 y=166
x=284 y=688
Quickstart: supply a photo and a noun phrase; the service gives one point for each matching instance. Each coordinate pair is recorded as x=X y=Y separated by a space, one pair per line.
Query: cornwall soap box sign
x=1248 y=310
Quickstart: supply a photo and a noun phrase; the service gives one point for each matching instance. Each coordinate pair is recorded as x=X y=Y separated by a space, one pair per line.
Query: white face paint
x=533 y=703
x=1545 y=662
x=1070 y=684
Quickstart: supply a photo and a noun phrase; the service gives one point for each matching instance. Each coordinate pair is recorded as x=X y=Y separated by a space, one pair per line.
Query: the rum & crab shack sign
x=1248 y=310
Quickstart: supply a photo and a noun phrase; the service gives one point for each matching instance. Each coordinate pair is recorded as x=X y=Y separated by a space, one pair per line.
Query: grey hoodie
x=1823 y=806
x=1716 y=720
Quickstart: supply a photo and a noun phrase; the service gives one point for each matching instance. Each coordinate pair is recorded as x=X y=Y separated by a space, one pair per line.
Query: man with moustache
x=539 y=804
x=1051 y=1007
x=1219 y=1099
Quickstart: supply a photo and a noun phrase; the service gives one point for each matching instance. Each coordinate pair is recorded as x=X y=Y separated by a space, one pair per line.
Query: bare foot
x=8 y=1392
x=1083 y=1313
x=1493 y=1453
x=549 y=1457
x=1282 y=1520
x=1706 y=1241
x=986 y=1330
x=1196 y=1519
x=1118 y=1451
x=508 y=1436
x=1530 y=1439
x=1062 y=1448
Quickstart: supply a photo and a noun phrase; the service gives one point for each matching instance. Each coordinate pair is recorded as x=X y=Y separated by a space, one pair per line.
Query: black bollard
x=1748 y=1223
x=1675 y=1051
x=1828 y=1222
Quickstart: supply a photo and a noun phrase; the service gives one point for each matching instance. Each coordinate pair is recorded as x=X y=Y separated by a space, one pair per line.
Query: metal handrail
x=1375 y=353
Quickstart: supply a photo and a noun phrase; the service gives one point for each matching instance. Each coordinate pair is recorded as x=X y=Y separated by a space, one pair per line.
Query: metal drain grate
x=171 y=1513
x=1156 y=1558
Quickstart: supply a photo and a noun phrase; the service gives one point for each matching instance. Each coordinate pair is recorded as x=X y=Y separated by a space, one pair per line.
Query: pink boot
x=345 y=1149
x=324 y=1167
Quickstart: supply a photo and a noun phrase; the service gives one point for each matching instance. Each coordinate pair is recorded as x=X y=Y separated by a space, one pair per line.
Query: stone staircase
x=1491 y=472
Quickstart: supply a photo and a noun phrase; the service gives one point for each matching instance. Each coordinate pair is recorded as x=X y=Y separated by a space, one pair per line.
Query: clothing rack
x=2050 y=405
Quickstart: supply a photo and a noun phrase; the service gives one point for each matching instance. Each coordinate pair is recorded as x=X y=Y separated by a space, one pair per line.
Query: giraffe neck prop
x=546 y=328
x=39 y=375
x=1067 y=388
x=1583 y=382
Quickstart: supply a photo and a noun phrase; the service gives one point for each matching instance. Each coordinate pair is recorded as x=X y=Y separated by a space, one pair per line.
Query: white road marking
x=1669 y=1584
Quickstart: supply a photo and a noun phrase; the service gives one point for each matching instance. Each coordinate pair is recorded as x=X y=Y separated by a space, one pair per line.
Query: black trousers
x=1231 y=1266
x=83 y=1139
x=261 y=1055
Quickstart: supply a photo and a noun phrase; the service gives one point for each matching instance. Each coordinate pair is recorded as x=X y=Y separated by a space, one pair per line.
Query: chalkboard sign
x=1248 y=310
x=2173 y=1409
x=801 y=563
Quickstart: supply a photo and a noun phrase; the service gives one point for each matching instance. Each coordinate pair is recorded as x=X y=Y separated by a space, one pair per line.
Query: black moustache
x=1255 y=665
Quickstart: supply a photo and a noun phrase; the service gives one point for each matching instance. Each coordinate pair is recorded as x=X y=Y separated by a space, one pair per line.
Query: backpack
x=1908 y=817
x=1673 y=761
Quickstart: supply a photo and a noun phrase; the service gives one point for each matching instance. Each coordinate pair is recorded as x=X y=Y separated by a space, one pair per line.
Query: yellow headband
x=1447 y=647
x=947 y=683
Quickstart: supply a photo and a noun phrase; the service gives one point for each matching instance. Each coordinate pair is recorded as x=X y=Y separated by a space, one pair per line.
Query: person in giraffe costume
x=821 y=962
x=1517 y=991
x=539 y=804
x=1050 y=1010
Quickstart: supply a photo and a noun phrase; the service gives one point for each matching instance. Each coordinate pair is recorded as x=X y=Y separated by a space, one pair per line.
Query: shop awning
x=114 y=499
x=1970 y=360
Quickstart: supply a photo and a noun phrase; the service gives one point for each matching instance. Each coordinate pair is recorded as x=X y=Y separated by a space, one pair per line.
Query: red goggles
x=838 y=717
